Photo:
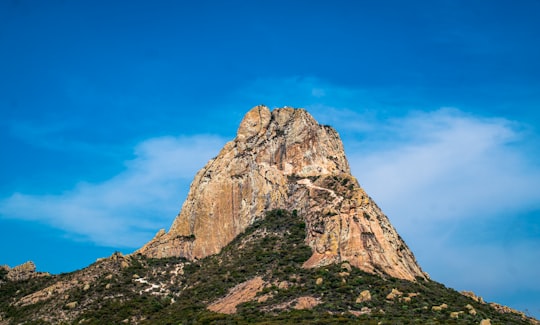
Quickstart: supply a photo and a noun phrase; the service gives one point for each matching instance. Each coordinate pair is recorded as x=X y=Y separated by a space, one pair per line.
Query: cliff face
x=285 y=160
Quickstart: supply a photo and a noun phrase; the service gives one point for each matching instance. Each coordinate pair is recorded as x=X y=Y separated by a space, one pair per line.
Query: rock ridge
x=283 y=159
x=22 y=272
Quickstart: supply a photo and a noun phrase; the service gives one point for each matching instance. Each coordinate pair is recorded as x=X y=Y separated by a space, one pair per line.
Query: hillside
x=257 y=278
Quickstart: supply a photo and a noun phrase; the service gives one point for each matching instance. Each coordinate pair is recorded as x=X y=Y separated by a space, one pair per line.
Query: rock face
x=22 y=272
x=283 y=159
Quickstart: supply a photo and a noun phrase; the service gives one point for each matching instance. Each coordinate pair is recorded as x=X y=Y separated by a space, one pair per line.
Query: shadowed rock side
x=285 y=160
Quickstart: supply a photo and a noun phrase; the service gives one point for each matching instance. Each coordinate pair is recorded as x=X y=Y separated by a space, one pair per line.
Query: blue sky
x=108 y=108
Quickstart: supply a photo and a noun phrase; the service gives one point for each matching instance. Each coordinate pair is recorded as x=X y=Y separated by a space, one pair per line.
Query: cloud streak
x=125 y=210
x=462 y=165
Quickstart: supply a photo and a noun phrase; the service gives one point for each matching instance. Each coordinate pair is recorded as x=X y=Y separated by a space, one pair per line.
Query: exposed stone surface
x=363 y=297
x=285 y=159
x=507 y=310
x=471 y=309
x=440 y=307
x=456 y=314
x=473 y=296
x=84 y=277
x=346 y=266
x=23 y=272
x=306 y=302
x=363 y=311
x=393 y=294
x=504 y=309
x=243 y=292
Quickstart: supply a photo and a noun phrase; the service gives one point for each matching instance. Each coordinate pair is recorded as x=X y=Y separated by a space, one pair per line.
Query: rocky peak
x=283 y=159
x=292 y=141
x=22 y=272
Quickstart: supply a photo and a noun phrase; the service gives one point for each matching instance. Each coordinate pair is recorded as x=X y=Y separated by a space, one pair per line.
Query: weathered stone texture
x=285 y=159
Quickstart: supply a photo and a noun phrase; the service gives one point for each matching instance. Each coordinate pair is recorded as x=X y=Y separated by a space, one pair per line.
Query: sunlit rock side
x=285 y=159
x=22 y=272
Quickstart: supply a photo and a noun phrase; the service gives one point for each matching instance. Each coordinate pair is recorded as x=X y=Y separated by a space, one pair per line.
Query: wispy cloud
x=458 y=164
x=125 y=210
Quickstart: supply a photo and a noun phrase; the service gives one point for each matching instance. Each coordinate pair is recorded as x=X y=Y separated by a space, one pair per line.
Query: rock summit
x=284 y=159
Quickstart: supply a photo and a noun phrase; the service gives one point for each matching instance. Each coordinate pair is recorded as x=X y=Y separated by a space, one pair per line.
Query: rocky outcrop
x=241 y=293
x=283 y=159
x=22 y=272
x=363 y=297
x=80 y=280
x=473 y=296
x=306 y=302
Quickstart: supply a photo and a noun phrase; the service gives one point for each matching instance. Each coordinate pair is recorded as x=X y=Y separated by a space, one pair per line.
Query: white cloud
x=446 y=164
x=127 y=209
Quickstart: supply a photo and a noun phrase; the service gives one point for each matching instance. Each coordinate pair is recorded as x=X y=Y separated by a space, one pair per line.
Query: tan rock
x=440 y=307
x=502 y=309
x=23 y=272
x=284 y=159
x=71 y=305
x=306 y=302
x=473 y=296
x=347 y=267
x=319 y=281
x=264 y=298
x=363 y=311
x=486 y=321
x=363 y=297
x=455 y=314
x=393 y=294
x=471 y=309
x=241 y=293
x=254 y=123
x=283 y=285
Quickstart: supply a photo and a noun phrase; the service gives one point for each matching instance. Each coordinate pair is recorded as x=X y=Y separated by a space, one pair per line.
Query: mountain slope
x=257 y=278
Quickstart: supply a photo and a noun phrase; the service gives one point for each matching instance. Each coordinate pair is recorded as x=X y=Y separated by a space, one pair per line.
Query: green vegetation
x=3 y=273
x=272 y=248
x=12 y=291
